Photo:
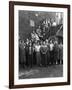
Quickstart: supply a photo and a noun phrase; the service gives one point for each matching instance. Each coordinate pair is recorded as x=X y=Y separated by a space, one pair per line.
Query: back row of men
x=40 y=53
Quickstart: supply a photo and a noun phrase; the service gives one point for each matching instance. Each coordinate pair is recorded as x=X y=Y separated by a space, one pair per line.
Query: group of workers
x=40 y=53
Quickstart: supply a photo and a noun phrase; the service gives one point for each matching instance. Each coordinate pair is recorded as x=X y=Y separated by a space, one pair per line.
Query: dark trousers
x=26 y=58
x=44 y=59
x=30 y=60
x=48 y=57
x=51 y=56
x=34 y=58
x=38 y=58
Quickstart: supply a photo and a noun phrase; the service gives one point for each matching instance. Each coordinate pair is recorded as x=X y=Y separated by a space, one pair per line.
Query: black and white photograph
x=39 y=44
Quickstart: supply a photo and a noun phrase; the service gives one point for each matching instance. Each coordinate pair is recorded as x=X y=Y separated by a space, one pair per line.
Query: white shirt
x=54 y=24
x=37 y=48
x=51 y=47
x=36 y=36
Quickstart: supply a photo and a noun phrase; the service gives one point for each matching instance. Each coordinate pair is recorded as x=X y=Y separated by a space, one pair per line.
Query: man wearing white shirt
x=51 y=52
x=38 y=57
x=54 y=23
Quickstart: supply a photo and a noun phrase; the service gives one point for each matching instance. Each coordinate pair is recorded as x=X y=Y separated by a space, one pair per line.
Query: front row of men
x=40 y=53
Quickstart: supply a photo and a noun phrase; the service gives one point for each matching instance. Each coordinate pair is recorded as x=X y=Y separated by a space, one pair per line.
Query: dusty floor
x=41 y=72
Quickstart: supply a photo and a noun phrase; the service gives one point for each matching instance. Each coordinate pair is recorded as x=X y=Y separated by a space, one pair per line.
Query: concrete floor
x=41 y=72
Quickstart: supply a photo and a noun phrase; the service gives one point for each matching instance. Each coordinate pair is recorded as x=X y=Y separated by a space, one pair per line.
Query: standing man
x=34 y=54
x=30 y=55
x=51 y=52
x=22 y=54
x=61 y=53
x=37 y=50
x=56 y=52
x=48 y=54
x=26 y=51
x=20 y=51
x=43 y=51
